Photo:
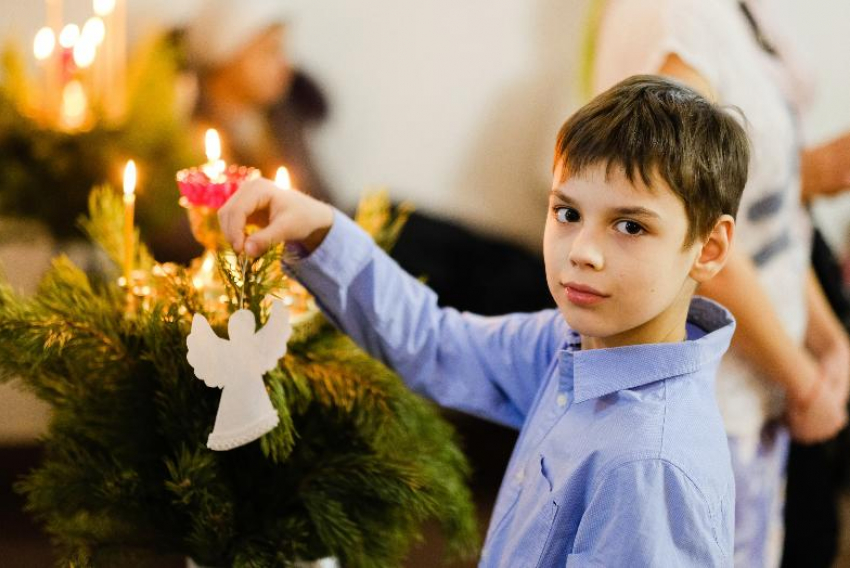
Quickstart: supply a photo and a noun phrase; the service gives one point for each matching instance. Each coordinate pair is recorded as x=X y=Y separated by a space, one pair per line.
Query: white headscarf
x=222 y=27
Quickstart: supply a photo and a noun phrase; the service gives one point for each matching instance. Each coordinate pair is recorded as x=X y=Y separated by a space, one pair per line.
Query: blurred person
x=789 y=366
x=250 y=91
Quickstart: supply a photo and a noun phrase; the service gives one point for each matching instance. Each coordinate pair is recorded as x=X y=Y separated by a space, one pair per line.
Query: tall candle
x=68 y=38
x=129 y=206
x=44 y=45
x=54 y=9
x=120 y=58
x=74 y=109
x=94 y=32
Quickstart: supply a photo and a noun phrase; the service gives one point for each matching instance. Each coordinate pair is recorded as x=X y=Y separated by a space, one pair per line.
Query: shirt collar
x=598 y=372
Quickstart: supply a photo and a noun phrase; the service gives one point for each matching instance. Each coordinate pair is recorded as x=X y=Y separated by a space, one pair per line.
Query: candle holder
x=202 y=197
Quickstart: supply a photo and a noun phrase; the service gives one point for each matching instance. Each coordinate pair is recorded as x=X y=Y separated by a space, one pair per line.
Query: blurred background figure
x=250 y=91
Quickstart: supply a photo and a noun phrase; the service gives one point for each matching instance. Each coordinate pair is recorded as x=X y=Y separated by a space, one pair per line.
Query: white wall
x=454 y=105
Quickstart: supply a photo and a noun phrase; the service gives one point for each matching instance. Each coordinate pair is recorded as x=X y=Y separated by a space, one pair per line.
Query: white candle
x=92 y=36
x=129 y=207
x=44 y=45
x=54 y=10
x=84 y=52
x=69 y=35
x=74 y=106
x=103 y=7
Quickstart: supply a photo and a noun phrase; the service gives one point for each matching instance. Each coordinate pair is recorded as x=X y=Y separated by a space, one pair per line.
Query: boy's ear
x=714 y=251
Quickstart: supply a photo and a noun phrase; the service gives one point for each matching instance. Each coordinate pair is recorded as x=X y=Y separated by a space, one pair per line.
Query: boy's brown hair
x=652 y=126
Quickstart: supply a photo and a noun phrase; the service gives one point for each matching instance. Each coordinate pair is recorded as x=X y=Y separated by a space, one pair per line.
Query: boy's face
x=615 y=258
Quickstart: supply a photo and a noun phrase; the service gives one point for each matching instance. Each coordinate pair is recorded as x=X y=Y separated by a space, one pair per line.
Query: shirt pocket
x=529 y=531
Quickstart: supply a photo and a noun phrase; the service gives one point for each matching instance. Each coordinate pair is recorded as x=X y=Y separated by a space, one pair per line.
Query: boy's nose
x=585 y=251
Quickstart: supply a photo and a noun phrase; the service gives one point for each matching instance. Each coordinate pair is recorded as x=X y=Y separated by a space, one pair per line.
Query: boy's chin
x=587 y=325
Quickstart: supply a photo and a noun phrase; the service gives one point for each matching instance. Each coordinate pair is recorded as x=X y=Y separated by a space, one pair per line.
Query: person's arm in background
x=828 y=341
x=816 y=398
x=826 y=168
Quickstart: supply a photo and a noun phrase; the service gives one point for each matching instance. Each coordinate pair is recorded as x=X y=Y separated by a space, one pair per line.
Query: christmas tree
x=354 y=468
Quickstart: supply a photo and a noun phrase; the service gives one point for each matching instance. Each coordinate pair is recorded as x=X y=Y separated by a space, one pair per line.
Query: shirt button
x=520 y=475
x=561 y=400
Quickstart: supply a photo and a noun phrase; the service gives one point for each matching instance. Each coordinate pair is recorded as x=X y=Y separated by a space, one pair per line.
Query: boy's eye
x=566 y=215
x=629 y=227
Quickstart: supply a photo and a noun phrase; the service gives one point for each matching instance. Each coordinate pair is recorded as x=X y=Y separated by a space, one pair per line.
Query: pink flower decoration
x=199 y=189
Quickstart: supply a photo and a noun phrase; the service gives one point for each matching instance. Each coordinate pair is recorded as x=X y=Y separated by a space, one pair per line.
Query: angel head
x=241 y=325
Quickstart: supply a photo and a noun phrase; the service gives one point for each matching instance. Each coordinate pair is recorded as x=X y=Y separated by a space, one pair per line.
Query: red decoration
x=200 y=190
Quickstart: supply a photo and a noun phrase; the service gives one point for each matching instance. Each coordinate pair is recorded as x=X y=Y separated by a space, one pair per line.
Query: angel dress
x=237 y=366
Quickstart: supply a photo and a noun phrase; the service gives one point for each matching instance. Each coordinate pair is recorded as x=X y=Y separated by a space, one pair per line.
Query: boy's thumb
x=259 y=242
x=252 y=248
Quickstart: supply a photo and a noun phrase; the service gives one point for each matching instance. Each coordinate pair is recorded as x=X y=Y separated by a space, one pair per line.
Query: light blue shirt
x=622 y=458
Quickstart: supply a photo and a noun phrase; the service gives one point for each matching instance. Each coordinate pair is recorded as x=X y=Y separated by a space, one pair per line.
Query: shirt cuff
x=343 y=253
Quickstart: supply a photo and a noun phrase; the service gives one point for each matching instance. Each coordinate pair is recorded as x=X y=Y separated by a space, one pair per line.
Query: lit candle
x=54 y=10
x=114 y=14
x=209 y=186
x=129 y=206
x=68 y=38
x=103 y=7
x=43 y=47
x=95 y=30
x=215 y=166
x=281 y=179
x=44 y=44
x=120 y=85
x=74 y=106
x=84 y=51
x=94 y=34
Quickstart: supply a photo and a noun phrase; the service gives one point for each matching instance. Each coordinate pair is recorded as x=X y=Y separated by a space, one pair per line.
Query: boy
x=622 y=457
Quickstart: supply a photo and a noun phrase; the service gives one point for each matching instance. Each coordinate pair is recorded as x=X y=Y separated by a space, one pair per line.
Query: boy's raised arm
x=490 y=367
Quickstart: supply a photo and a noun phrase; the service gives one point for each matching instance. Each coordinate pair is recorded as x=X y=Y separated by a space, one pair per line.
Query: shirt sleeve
x=650 y=513
x=487 y=366
x=636 y=37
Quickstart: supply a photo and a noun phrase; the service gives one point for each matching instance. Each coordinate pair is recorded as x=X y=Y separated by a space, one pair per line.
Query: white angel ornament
x=237 y=366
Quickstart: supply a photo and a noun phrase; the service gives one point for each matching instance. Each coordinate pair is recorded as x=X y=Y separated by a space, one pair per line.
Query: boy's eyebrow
x=636 y=211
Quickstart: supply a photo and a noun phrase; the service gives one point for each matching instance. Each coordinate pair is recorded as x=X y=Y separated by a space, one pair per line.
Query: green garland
x=355 y=467
x=48 y=174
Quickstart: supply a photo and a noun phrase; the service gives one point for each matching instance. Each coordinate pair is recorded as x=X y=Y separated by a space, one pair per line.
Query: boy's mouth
x=582 y=295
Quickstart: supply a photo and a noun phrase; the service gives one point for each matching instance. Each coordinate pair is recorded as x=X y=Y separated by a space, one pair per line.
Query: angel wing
x=271 y=340
x=208 y=353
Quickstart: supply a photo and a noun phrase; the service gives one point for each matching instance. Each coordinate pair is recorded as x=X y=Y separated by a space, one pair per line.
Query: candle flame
x=130 y=178
x=84 y=52
x=95 y=30
x=103 y=7
x=213 y=145
x=282 y=179
x=69 y=35
x=44 y=43
x=74 y=103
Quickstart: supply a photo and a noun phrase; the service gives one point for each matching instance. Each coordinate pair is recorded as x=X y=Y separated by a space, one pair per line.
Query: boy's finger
x=233 y=216
x=260 y=241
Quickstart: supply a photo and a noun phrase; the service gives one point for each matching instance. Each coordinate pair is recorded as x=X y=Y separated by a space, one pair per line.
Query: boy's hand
x=281 y=214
